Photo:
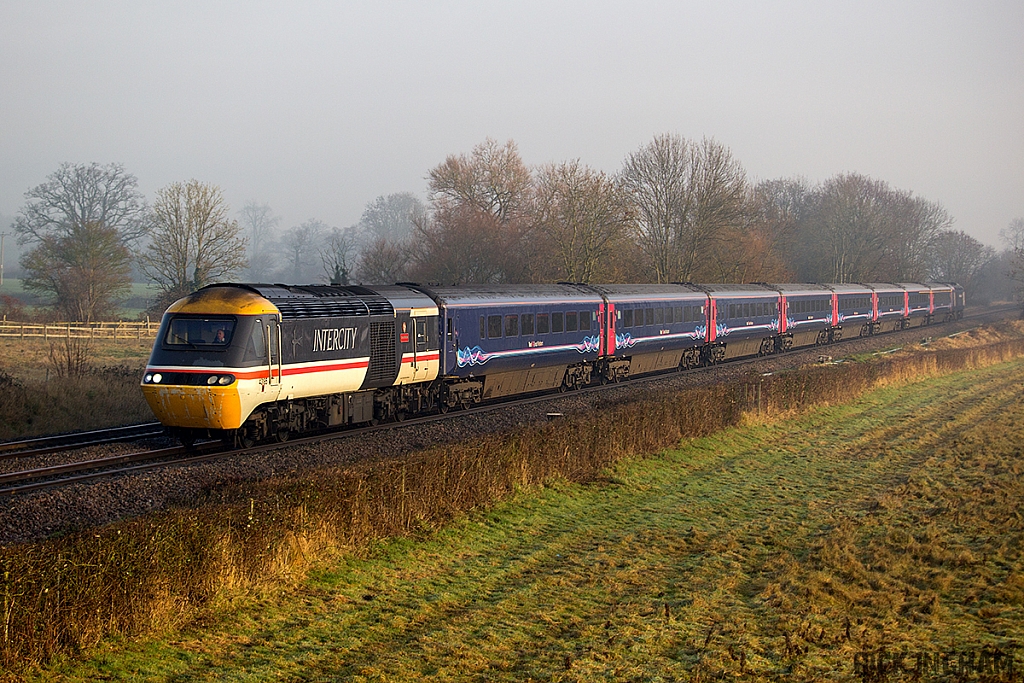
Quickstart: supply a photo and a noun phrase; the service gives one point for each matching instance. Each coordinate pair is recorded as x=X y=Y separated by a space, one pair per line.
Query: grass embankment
x=35 y=400
x=149 y=574
x=762 y=551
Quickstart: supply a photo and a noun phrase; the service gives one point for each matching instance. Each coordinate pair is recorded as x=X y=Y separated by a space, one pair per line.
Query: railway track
x=65 y=442
x=31 y=480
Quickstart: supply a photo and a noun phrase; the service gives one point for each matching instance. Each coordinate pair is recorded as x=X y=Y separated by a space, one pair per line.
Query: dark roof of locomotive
x=320 y=301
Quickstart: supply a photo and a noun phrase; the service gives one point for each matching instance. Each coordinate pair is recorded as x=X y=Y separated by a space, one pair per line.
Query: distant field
x=775 y=550
x=134 y=304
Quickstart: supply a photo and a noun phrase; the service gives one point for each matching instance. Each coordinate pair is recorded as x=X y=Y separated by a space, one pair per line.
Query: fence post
x=44 y=332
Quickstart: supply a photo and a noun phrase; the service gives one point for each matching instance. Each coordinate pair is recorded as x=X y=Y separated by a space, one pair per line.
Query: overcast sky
x=317 y=108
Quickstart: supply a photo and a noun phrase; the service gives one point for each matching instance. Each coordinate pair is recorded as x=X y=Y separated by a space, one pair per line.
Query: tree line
x=678 y=210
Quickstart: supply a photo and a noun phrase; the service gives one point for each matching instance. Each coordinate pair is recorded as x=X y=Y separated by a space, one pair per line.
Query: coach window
x=543 y=325
x=732 y=310
x=585 y=320
x=570 y=321
x=493 y=326
x=678 y=314
x=627 y=317
x=526 y=321
x=659 y=316
x=648 y=316
x=483 y=327
x=511 y=325
x=556 y=323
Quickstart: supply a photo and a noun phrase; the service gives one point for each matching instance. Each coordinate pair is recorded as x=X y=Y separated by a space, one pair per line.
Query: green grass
x=759 y=552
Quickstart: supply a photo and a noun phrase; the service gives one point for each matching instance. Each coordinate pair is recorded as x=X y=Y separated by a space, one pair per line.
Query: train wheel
x=246 y=437
x=283 y=435
x=443 y=407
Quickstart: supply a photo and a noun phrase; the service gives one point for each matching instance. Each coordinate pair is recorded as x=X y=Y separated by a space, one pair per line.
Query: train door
x=421 y=340
x=712 y=334
x=274 y=355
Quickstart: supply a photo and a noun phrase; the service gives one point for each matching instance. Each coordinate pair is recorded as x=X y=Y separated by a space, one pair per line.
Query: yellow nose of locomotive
x=181 y=385
x=195 y=407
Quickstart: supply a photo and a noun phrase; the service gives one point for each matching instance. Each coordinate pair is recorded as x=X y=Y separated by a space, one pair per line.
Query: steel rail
x=63 y=442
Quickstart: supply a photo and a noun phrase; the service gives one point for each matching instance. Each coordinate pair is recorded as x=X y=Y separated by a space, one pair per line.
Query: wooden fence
x=120 y=330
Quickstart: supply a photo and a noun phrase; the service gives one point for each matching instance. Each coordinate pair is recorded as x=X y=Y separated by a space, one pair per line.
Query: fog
x=317 y=108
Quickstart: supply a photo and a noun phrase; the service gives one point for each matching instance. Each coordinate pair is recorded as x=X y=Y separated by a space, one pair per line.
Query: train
x=248 y=363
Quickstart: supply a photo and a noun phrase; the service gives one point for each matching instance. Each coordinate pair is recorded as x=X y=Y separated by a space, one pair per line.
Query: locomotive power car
x=253 y=362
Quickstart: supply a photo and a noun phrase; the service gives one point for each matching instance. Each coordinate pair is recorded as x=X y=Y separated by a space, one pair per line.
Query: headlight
x=148 y=378
x=226 y=379
x=212 y=379
x=157 y=377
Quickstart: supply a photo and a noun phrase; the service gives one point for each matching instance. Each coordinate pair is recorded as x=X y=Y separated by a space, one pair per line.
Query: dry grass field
x=35 y=399
x=775 y=549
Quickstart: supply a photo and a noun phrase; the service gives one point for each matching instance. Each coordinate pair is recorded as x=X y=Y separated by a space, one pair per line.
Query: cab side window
x=256 y=347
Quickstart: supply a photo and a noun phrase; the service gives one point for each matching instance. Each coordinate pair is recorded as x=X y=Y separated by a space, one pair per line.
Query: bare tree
x=194 y=243
x=682 y=196
x=487 y=195
x=302 y=243
x=1013 y=236
x=258 y=223
x=79 y=226
x=911 y=226
x=493 y=179
x=654 y=179
x=845 y=237
x=718 y=187
x=338 y=254
x=958 y=257
x=392 y=217
x=580 y=214
x=383 y=261
x=77 y=194
x=87 y=270
x=458 y=247
x=761 y=249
